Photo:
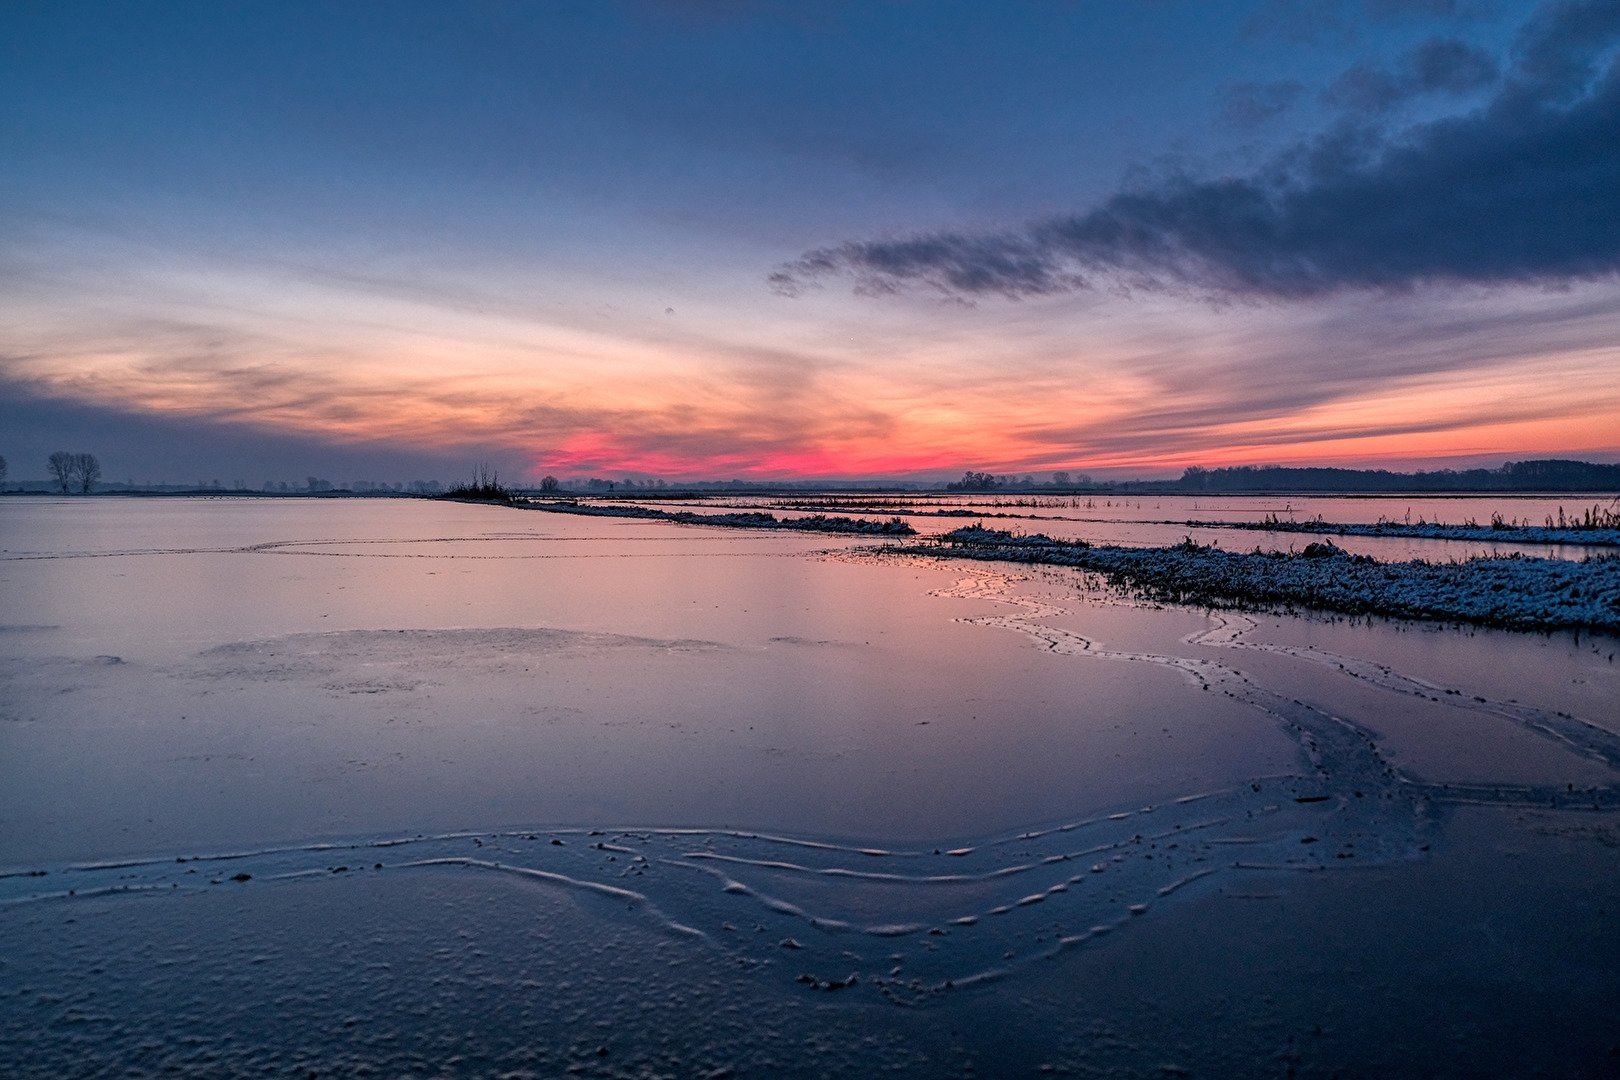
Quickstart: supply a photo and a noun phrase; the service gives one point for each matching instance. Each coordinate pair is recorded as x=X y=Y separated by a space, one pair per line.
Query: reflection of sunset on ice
x=677 y=770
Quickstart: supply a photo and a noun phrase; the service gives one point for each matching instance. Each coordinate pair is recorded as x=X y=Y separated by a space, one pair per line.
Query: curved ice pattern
x=909 y=925
x=1571 y=733
x=906 y=936
x=1577 y=735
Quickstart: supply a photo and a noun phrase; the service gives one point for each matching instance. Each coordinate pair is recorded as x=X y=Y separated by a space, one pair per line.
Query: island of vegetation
x=1514 y=592
x=818 y=523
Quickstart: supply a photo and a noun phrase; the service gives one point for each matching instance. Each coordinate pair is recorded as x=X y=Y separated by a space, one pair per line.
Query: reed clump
x=485 y=486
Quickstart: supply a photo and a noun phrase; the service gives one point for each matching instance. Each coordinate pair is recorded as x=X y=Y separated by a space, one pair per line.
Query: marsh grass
x=1513 y=592
x=1594 y=526
x=485 y=486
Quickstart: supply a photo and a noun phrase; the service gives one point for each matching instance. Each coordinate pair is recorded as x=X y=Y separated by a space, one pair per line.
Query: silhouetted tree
x=974 y=481
x=2 y=472
x=549 y=484
x=61 y=466
x=86 y=471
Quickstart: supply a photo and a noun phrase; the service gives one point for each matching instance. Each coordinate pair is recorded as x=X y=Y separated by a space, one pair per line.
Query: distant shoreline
x=1134 y=488
x=1547 y=476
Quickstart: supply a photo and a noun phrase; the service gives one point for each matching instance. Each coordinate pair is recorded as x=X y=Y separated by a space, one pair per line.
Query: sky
x=707 y=239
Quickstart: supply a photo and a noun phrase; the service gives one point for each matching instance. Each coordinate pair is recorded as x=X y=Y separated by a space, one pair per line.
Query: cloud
x=1250 y=104
x=203 y=397
x=146 y=445
x=1417 y=377
x=1439 y=65
x=1557 y=47
x=1520 y=191
x=1450 y=65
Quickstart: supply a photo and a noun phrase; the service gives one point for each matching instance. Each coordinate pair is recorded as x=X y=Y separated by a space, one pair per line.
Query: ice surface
x=415 y=789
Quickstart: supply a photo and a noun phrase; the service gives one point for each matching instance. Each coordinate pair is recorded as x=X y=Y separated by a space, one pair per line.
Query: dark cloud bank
x=161 y=449
x=1524 y=190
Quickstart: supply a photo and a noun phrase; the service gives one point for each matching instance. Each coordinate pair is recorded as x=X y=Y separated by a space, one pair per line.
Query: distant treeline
x=1546 y=475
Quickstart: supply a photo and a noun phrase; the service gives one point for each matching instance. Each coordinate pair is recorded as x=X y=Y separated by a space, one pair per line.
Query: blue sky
x=694 y=239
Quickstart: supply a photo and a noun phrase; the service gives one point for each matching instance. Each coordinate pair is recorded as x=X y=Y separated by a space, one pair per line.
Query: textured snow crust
x=1514 y=592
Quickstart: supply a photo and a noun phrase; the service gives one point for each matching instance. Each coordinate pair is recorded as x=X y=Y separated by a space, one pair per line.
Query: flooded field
x=405 y=788
x=1156 y=520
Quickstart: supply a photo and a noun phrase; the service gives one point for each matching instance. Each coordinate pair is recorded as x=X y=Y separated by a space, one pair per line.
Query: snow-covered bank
x=744 y=520
x=1515 y=593
x=1433 y=530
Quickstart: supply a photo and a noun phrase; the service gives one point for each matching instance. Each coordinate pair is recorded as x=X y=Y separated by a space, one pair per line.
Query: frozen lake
x=405 y=788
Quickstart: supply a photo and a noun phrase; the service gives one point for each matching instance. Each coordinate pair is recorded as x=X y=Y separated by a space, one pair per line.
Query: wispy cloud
x=737 y=409
x=1169 y=386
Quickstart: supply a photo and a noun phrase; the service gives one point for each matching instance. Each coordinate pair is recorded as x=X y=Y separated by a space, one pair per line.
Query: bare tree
x=74 y=471
x=86 y=471
x=61 y=465
x=2 y=473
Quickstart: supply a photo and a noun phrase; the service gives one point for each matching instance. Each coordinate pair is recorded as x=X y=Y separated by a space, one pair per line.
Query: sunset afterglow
x=683 y=240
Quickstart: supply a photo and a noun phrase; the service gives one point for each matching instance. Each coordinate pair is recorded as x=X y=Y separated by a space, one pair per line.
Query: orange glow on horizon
x=572 y=399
